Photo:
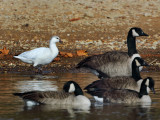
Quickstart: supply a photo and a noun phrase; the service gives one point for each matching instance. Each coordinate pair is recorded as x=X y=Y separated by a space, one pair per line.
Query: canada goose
x=114 y=63
x=72 y=94
x=42 y=55
x=125 y=95
x=132 y=83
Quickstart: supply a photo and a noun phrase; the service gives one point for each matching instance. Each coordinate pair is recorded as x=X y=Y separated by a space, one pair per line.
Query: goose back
x=47 y=97
x=114 y=83
x=113 y=63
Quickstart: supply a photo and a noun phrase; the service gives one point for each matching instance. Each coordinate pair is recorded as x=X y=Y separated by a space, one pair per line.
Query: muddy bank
x=93 y=25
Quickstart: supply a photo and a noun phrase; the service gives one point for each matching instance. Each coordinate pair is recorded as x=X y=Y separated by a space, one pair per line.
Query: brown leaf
x=69 y=54
x=74 y=19
x=57 y=59
x=62 y=53
x=82 y=53
x=4 y=51
x=65 y=54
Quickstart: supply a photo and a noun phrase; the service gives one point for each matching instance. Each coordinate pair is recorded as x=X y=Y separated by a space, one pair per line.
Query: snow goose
x=41 y=56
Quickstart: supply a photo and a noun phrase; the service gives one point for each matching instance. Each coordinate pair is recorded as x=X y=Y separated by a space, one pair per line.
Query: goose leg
x=39 y=71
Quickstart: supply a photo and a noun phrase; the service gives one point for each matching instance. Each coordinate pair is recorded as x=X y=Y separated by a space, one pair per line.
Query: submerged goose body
x=114 y=63
x=42 y=55
x=71 y=95
x=132 y=83
x=125 y=95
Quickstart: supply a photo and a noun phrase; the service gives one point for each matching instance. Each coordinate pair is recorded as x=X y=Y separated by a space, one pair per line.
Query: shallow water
x=12 y=107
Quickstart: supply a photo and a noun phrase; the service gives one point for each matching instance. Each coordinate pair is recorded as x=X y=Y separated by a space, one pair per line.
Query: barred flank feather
x=113 y=63
x=114 y=83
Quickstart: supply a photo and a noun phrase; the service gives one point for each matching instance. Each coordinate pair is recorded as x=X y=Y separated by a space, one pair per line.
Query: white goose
x=42 y=55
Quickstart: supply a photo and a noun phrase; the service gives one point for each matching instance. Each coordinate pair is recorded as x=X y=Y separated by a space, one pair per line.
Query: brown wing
x=121 y=96
x=111 y=64
x=120 y=83
x=42 y=96
x=113 y=83
x=103 y=59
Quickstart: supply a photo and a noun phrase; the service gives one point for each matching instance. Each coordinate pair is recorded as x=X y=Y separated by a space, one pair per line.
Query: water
x=12 y=107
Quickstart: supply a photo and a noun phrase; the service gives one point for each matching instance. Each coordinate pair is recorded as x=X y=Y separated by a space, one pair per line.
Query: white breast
x=80 y=99
x=146 y=98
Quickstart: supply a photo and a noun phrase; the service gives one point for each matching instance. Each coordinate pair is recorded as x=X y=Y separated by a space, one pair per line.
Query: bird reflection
x=72 y=110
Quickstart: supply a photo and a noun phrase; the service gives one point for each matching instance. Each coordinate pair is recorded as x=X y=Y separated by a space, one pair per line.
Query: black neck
x=131 y=43
x=135 y=73
x=78 y=91
x=143 y=90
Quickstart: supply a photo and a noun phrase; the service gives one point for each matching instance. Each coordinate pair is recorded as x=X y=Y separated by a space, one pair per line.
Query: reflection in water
x=12 y=107
x=123 y=111
x=71 y=110
x=31 y=85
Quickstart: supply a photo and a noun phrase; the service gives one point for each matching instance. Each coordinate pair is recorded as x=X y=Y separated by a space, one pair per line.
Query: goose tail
x=83 y=63
x=18 y=94
x=95 y=86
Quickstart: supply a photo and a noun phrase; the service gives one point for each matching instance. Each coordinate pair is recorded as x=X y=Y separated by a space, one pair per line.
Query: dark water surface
x=12 y=107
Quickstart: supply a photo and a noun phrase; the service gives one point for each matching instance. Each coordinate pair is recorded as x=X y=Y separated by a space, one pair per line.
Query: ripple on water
x=12 y=107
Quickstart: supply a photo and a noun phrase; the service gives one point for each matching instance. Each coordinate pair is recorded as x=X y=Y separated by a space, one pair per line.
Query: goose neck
x=53 y=47
x=78 y=91
x=143 y=90
x=136 y=74
x=131 y=44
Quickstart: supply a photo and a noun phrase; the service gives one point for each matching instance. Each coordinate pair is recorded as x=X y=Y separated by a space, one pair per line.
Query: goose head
x=72 y=87
x=138 y=62
x=150 y=83
x=55 y=39
x=136 y=32
x=146 y=86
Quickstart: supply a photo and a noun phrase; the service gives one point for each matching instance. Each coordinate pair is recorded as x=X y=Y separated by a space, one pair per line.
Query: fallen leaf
x=82 y=53
x=74 y=19
x=62 y=53
x=57 y=59
x=66 y=54
x=4 y=51
x=69 y=54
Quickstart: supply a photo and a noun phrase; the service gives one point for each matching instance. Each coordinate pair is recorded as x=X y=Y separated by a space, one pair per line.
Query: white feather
x=98 y=99
x=139 y=82
x=81 y=100
x=137 y=63
x=30 y=103
x=40 y=56
x=71 y=88
x=134 y=33
x=147 y=82
x=132 y=58
x=146 y=98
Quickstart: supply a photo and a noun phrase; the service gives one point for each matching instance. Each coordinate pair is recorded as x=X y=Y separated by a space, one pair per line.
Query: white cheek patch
x=147 y=82
x=148 y=89
x=71 y=88
x=137 y=63
x=134 y=33
x=140 y=68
